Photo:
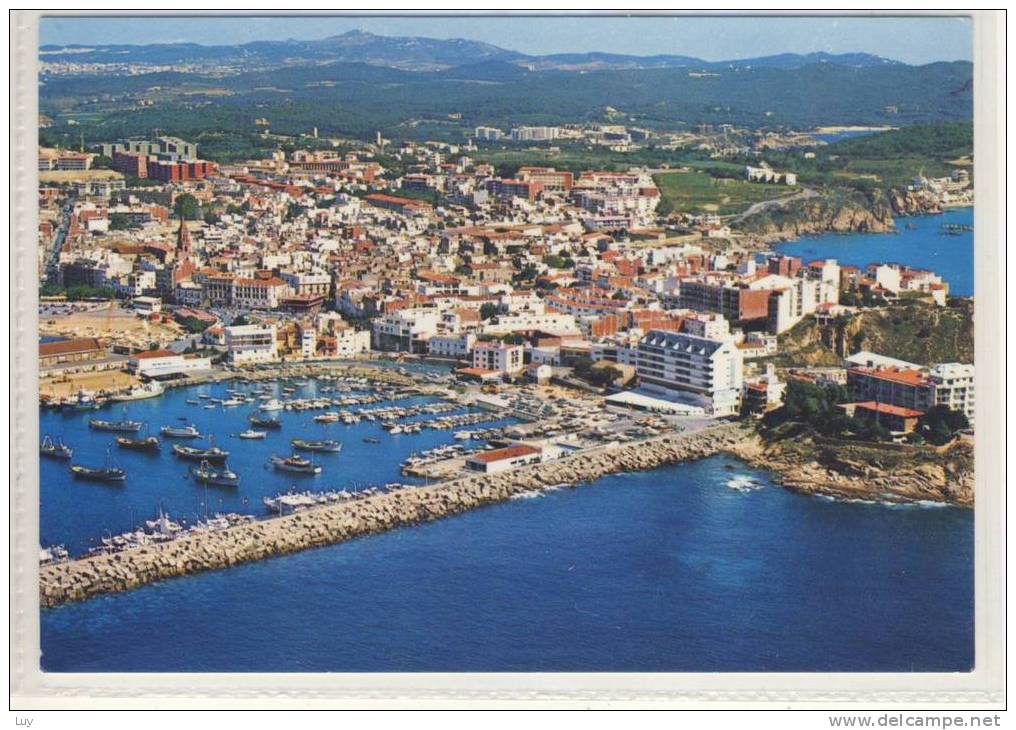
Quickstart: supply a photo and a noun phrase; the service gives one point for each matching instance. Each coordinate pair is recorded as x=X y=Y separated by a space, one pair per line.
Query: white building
x=491 y=462
x=707 y=372
x=406 y=330
x=499 y=357
x=147 y=305
x=458 y=346
x=953 y=386
x=251 y=343
x=163 y=363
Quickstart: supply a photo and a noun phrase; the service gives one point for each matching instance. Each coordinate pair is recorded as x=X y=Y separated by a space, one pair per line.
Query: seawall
x=88 y=577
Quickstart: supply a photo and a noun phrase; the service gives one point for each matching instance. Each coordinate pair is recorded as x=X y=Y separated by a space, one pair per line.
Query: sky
x=913 y=40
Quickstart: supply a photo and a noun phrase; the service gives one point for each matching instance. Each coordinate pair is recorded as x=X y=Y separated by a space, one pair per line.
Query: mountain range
x=420 y=54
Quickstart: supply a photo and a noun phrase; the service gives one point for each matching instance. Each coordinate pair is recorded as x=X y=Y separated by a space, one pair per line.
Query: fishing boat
x=180 y=432
x=273 y=423
x=295 y=464
x=223 y=477
x=151 y=443
x=251 y=434
x=148 y=390
x=52 y=450
x=83 y=401
x=213 y=453
x=106 y=473
x=328 y=446
x=116 y=426
x=371 y=440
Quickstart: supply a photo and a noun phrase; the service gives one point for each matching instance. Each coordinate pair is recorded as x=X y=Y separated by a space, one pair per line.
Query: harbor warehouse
x=166 y=363
x=491 y=462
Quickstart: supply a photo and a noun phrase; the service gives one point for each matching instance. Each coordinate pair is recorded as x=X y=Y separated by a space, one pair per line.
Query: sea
x=919 y=242
x=703 y=566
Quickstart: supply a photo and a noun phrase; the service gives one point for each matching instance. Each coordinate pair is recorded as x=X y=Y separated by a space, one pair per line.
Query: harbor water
x=920 y=242
x=703 y=566
x=77 y=514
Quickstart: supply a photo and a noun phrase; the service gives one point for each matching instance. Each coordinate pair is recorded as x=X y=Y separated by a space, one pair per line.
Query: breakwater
x=88 y=577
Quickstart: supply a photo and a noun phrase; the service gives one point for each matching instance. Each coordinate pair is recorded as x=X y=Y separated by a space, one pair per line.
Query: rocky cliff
x=895 y=473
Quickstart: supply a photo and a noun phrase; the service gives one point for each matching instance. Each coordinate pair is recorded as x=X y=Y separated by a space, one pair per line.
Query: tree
x=121 y=222
x=186 y=207
x=489 y=311
x=941 y=424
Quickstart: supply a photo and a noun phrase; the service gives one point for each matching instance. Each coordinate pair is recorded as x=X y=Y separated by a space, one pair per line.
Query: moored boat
x=213 y=453
x=180 y=432
x=295 y=464
x=273 y=423
x=371 y=440
x=115 y=426
x=272 y=404
x=251 y=434
x=106 y=473
x=327 y=445
x=151 y=443
x=58 y=450
x=223 y=477
x=148 y=390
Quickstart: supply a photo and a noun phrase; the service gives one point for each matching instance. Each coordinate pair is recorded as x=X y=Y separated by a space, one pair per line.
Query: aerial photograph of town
x=506 y=344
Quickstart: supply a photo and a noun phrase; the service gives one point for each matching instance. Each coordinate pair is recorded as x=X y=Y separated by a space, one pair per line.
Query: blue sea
x=918 y=242
x=670 y=570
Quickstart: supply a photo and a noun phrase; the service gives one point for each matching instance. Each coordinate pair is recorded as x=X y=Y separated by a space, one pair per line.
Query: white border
x=32 y=689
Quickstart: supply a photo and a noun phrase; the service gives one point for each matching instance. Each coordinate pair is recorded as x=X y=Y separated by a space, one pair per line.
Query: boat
x=116 y=426
x=205 y=474
x=233 y=402
x=371 y=440
x=329 y=446
x=58 y=450
x=53 y=554
x=295 y=464
x=146 y=444
x=329 y=417
x=213 y=453
x=251 y=434
x=163 y=526
x=180 y=432
x=193 y=401
x=148 y=390
x=107 y=473
x=273 y=423
x=83 y=401
x=272 y=405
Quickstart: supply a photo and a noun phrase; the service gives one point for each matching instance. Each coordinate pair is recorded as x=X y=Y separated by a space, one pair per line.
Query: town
x=178 y=266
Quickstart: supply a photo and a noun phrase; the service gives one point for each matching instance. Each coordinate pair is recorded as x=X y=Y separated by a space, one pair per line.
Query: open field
x=698 y=192
x=115 y=325
x=65 y=386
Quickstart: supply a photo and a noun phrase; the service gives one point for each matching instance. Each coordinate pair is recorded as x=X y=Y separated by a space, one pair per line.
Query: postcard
x=489 y=347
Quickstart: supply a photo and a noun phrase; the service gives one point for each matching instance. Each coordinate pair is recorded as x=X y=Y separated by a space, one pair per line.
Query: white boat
x=148 y=390
x=193 y=401
x=250 y=433
x=330 y=417
x=180 y=432
x=272 y=405
x=233 y=402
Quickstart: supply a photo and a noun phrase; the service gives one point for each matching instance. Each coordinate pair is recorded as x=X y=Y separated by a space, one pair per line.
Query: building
x=488 y=133
x=80 y=355
x=455 y=346
x=903 y=387
x=499 y=357
x=147 y=305
x=953 y=386
x=159 y=364
x=406 y=330
x=251 y=343
x=897 y=419
x=708 y=372
x=491 y=462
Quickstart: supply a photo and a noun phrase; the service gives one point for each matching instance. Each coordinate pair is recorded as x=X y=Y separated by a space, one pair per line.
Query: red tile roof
x=510 y=452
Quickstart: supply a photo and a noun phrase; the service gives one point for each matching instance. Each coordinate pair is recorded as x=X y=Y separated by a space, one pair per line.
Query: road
x=52 y=267
x=804 y=194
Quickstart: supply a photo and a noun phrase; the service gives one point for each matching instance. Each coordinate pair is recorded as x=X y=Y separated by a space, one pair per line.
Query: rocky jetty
x=81 y=579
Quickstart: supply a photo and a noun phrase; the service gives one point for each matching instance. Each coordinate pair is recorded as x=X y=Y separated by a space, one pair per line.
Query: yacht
x=251 y=434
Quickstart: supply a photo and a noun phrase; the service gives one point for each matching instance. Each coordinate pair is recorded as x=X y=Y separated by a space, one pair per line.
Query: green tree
x=186 y=206
x=489 y=310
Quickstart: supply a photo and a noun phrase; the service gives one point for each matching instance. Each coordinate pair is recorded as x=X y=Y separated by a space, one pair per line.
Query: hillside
x=913 y=331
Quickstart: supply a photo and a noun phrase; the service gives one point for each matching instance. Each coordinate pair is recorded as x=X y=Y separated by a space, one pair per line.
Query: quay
x=88 y=577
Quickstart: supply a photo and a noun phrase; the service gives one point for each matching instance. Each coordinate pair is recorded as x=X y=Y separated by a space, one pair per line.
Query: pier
x=85 y=578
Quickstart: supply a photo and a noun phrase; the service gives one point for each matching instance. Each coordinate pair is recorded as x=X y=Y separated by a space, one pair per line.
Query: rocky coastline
x=946 y=477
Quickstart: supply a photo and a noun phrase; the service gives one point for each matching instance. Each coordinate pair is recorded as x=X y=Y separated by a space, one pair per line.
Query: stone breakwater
x=88 y=577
